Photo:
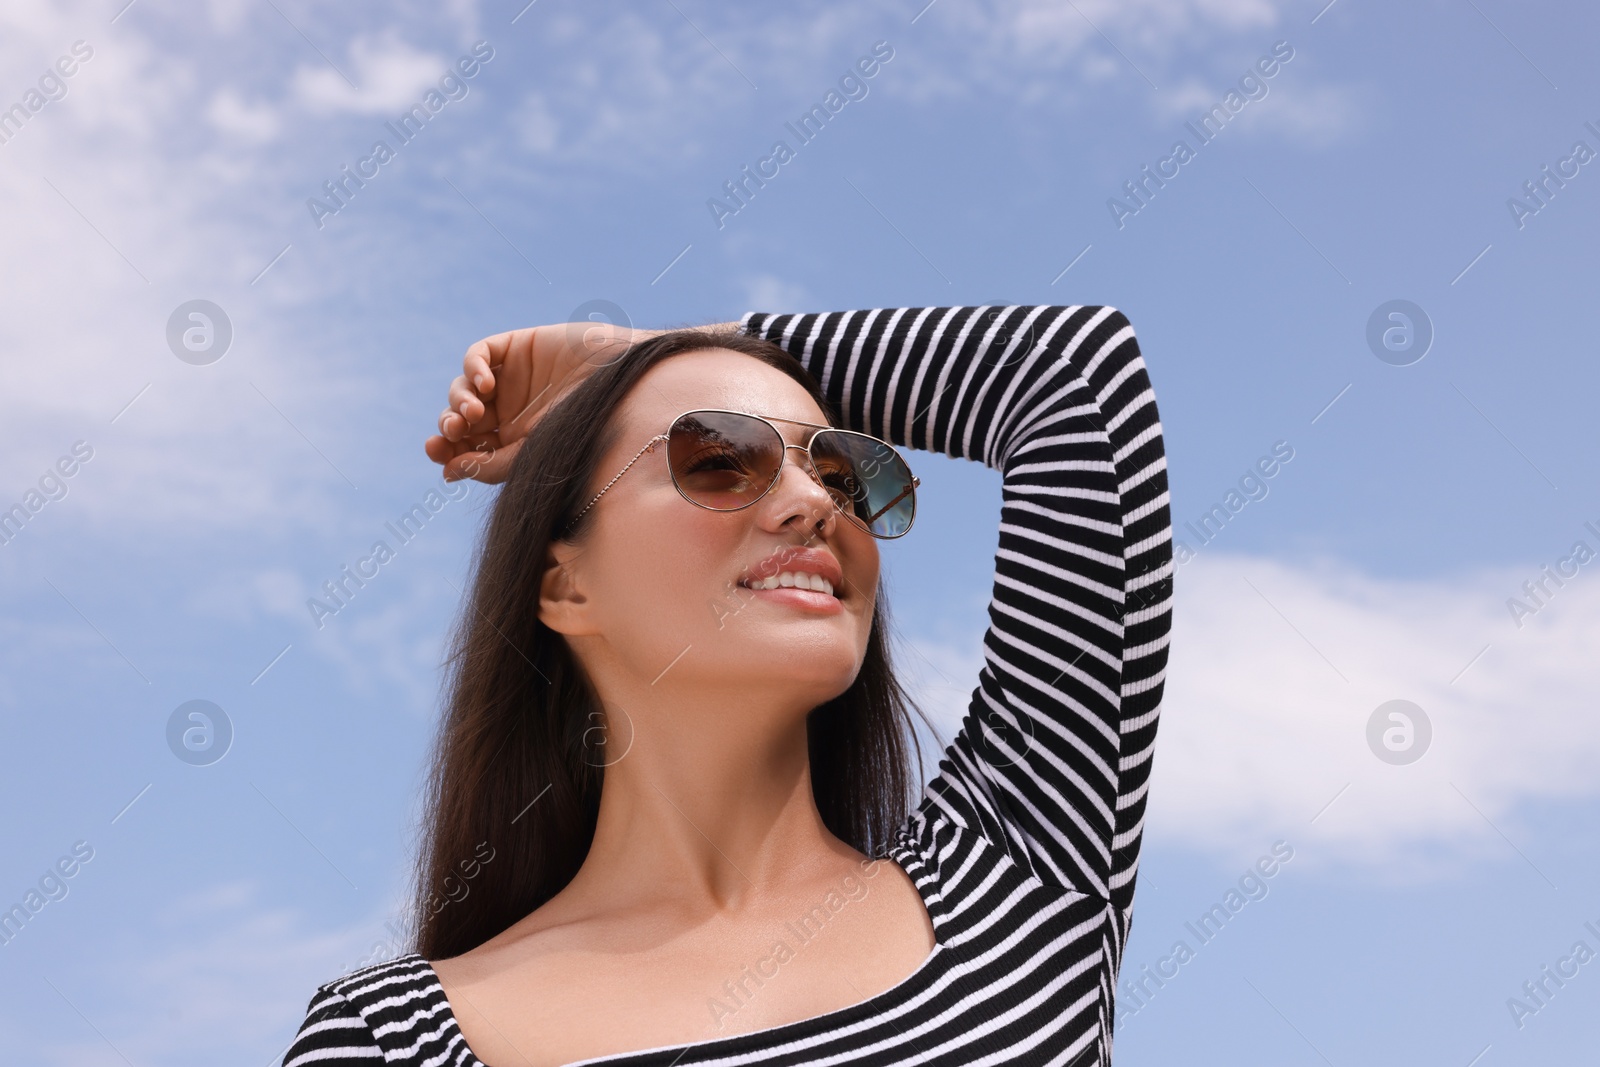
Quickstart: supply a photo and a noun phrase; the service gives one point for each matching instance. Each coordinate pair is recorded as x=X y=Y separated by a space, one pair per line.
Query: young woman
x=671 y=812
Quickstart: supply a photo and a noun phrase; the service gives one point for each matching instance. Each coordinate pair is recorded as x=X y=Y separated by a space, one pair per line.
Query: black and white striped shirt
x=1025 y=847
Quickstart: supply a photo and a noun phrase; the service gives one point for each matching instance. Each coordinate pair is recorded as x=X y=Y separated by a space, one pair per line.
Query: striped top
x=1025 y=847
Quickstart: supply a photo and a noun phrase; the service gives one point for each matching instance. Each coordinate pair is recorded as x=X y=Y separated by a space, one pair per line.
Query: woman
x=673 y=770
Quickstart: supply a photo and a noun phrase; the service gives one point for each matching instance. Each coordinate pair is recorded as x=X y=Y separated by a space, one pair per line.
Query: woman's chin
x=821 y=671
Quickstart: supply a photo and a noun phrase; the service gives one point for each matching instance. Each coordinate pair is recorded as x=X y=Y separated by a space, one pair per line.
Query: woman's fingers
x=497 y=373
x=517 y=383
x=479 y=456
x=484 y=466
x=476 y=368
x=486 y=359
x=454 y=428
x=506 y=384
x=465 y=398
x=444 y=451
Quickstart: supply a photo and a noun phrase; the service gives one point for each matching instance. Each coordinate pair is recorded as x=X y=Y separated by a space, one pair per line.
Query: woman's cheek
x=684 y=567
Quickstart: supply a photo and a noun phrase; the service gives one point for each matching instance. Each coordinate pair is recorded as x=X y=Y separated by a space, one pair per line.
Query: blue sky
x=975 y=165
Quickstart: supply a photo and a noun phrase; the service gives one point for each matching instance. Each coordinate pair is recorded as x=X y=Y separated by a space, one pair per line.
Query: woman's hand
x=507 y=382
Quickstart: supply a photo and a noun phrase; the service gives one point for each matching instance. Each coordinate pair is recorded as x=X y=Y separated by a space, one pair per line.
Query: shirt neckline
x=795 y=1028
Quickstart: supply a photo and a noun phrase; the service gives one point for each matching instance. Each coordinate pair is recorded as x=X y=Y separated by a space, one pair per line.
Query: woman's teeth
x=794 y=579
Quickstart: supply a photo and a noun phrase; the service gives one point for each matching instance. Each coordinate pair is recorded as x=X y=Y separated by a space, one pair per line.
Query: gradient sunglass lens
x=868 y=479
x=723 y=460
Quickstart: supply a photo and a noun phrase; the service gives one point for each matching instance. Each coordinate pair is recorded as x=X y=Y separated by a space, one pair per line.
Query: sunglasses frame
x=650 y=446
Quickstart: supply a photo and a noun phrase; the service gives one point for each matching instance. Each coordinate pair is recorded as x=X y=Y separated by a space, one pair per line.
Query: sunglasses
x=727 y=460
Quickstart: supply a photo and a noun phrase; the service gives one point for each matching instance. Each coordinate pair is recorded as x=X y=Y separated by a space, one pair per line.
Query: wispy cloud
x=231 y=982
x=1259 y=731
x=234 y=117
x=389 y=74
x=767 y=292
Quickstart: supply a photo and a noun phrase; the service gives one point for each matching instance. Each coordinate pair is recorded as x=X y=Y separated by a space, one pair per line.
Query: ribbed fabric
x=1025 y=847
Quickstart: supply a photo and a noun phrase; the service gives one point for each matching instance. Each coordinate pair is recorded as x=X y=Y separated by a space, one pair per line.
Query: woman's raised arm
x=1053 y=757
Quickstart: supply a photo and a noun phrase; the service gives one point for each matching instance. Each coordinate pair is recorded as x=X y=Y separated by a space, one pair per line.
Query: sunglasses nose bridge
x=808 y=467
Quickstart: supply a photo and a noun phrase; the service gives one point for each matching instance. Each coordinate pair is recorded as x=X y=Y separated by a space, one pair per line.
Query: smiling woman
x=602 y=724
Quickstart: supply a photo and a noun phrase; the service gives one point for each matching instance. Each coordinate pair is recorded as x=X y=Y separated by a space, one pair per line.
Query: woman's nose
x=811 y=499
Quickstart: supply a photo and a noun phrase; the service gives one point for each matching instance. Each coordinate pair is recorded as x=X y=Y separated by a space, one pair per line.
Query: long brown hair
x=513 y=789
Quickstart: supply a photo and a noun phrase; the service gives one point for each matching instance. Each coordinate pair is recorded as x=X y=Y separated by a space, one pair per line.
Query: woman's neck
x=706 y=815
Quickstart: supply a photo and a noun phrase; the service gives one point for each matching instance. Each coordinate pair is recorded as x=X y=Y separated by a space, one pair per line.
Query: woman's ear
x=562 y=603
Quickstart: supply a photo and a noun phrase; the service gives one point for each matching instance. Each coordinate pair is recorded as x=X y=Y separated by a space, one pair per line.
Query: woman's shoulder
x=347 y=1014
x=400 y=972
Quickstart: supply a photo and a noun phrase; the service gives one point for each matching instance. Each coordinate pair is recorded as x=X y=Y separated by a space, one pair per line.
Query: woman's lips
x=800 y=560
x=805 y=599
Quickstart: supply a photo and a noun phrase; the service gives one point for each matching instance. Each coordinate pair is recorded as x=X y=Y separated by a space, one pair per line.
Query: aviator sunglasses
x=727 y=460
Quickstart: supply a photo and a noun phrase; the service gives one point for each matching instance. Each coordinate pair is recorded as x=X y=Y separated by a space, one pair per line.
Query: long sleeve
x=1053 y=757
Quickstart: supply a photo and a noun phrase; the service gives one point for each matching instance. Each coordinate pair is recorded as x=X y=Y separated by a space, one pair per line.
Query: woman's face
x=659 y=599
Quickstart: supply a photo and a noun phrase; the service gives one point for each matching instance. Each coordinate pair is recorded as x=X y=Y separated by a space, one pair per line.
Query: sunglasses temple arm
x=649 y=447
x=908 y=490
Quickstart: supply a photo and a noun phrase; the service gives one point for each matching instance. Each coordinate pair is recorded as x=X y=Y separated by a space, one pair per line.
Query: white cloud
x=630 y=102
x=1047 y=29
x=257 y=123
x=1259 y=731
x=232 y=979
x=1318 y=116
x=538 y=129
x=229 y=16
x=1051 y=55
x=1190 y=98
x=1046 y=53
x=389 y=75
x=122 y=207
x=767 y=292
